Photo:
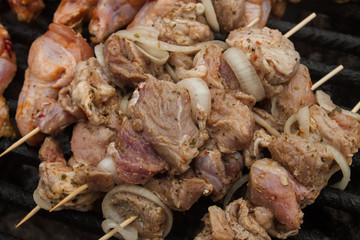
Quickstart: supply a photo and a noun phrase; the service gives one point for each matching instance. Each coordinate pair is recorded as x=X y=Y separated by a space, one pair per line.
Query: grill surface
x=331 y=39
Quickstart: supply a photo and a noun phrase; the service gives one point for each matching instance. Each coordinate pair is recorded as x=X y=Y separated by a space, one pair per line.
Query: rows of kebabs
x=168 y=116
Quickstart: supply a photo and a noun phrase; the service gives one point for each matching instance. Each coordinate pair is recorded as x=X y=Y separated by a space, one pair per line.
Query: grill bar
x=314 y=36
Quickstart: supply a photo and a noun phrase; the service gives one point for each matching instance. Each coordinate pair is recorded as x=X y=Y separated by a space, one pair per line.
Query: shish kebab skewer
x=85 y=186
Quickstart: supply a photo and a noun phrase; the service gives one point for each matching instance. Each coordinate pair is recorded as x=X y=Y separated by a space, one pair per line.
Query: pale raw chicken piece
x=167 y=124
x=26 y=10
x=308 y=163
x=57 y=179
x=111 y=15
x=272 y=187
x=257 y=9
x=177 y=21
x=72 y=13
x=296 y=94
x=7 y=72
x=271 y=54
x=52 y=61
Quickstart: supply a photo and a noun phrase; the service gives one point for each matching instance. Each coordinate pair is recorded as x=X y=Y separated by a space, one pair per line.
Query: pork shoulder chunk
x=135 y=159
x=164 y=113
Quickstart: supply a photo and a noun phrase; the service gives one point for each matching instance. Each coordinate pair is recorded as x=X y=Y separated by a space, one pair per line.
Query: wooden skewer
x=253 y=22
x=123 y=224
x=327 y=77
x=21 y=141
x=29 y=215
x=356 y=108
x=300 y=25
x=70 y=196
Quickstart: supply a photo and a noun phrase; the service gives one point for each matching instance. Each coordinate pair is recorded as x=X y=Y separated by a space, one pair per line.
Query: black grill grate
x=334 y=214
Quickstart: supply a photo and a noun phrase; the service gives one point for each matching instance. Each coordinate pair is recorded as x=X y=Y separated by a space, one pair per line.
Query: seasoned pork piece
x=229 y=14
x=296 y=94
x=175 y=20
x=271 y=54
x=260 y=140
x=234 y=164
x=26 y=10
x=310 y=164
x=91 y=92
x=231 y=123
x=7 y=72
x=126 y=63
x=52 y=62
x=272 y=187
x=135 y=159
x=57 y=179
x=240 y=216
x=179 y=192
x=111 y=15
x=164 y=111
x=257 y=9
x=89 y=142
x=72 y=13
x=344 y=139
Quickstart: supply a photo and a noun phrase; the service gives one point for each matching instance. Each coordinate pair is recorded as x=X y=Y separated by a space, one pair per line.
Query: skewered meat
x=257 y=9
x=124 y=201
x=7 y=72
x=175 y=20
x=26 y=10
x=229 y=14
x=179 y=192
x=73 y=12
x=309 y=164
x=52 y=62
x=272 y=187
x=135 y=159
x=98 y=137
x=271 y=54
x=111 y=15
x=57 y=178
x=296 y=94
x=168 y=124
x=230 y=123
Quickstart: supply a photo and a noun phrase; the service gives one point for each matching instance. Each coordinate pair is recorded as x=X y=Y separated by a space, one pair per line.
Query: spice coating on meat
x=97 y=137
x=308 y=163
x=73 y=12
x=229 y=14
x=7 y=72
x=296 y=94
x=26 y=10
x=271 y=54
x=135 y=159
x=165 y=114
x=175 y=20
x=52 y=61
x=111 y=15
x=231 y=123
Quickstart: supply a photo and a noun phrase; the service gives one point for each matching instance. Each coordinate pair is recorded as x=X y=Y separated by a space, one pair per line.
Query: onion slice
x=43 y=204
x=211 y=15
x=127 y=233
x=234 y=187
x=245 y=73
x=344 y=166
x=266 y=125
x=157 y=56
x=325 y=102
x=199 y=95
x=303 y=116
x=107 y=165
x=124 y=104
x=111 y=213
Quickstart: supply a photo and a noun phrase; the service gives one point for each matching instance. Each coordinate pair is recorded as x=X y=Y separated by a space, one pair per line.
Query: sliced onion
x=234 y=187
x=199 y=94
x=303 y=116
x=43 y=204
x=109 y=212
x=124 y=104
x=171 y=72
x=274 y=108
x=344 y=166
x=157 y=56
x=127 y=233
x=200 y=9
x=132 y=35
x=98 y=49
x=266 y=125
x=211 y=15
x=291 y=120
x=107 y=165
x=245 y=73
x=325 y=102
